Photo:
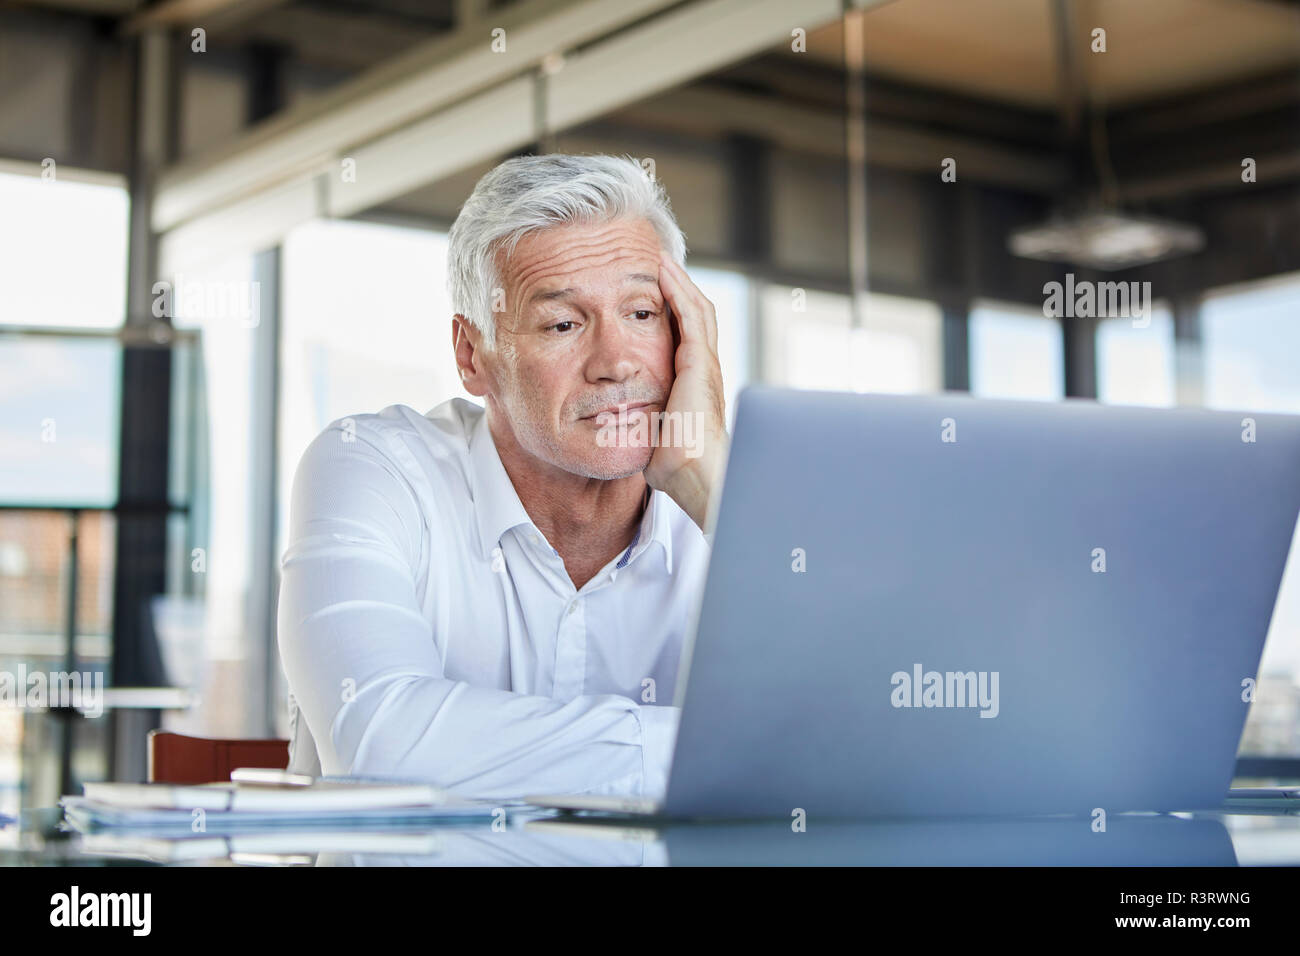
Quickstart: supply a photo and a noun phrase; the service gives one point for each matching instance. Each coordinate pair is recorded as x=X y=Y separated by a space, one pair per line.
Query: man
x=495 y=598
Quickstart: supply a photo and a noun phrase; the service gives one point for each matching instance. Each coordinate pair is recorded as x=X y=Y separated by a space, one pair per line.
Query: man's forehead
x=629 y=248
x=544 y=292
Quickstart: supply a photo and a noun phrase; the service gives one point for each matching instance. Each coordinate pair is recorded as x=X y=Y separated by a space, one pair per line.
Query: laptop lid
x=943 y=605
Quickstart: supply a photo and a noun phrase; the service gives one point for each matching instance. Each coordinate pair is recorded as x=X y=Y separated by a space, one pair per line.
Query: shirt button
x=572 y=608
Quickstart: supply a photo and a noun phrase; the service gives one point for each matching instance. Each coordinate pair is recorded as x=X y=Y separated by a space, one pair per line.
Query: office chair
x=176 y=758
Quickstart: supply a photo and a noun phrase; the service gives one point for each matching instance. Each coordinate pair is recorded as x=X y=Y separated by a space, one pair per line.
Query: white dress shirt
x=428 y=629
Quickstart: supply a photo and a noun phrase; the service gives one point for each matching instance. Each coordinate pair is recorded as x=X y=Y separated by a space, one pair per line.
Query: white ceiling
x=1007 y=49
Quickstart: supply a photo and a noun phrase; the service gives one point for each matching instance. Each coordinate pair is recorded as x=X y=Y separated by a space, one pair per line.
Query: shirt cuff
x=658 y=736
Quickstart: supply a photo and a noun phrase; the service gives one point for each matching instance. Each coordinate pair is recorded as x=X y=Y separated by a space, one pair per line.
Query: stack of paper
x=264 y=846
x=230 y=807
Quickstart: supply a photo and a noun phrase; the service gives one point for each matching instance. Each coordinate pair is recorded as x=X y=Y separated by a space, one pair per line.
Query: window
x=729 y=293
x=207 y=637
x=1251 y=341
x=63 y=250
x=1251 y=346
x=62 y=266
x=809 y=342
x=1135 y=365
x=1015 y=352
x=60 y=399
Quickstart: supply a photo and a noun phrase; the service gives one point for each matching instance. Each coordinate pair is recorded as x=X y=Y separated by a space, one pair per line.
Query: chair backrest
x=176 y=758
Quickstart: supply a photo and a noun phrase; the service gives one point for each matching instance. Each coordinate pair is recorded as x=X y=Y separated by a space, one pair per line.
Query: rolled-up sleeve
x=367 y=675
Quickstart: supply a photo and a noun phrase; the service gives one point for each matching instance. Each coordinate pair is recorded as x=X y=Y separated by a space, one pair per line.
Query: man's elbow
x=381 y=731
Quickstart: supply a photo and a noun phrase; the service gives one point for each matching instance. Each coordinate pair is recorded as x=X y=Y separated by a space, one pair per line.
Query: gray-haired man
x=495 y=598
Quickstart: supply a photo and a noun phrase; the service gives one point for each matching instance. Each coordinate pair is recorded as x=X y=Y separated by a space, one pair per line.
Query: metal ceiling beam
x=314 y=37
x=426 y=151
x=673 y=49
x=184 y=13
x=434 y=75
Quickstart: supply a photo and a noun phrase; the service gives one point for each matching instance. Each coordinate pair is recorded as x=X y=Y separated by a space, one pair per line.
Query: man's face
x=585 y=329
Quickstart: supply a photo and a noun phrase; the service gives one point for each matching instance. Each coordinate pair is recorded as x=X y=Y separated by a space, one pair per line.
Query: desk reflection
x=1155 y=840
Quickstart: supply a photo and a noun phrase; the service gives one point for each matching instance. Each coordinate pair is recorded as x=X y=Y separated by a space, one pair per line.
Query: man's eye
x=559 y=326
x=644 y=314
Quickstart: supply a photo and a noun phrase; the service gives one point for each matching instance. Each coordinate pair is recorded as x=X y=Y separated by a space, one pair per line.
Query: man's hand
x=688 y=462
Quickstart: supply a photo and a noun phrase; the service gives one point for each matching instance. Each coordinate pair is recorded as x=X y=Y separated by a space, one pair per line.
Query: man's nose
x=613 y=354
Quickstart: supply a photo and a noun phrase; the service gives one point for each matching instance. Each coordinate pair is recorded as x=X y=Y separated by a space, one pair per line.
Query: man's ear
x=466 y=342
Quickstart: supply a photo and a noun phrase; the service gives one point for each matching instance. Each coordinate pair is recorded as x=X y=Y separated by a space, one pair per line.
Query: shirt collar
x=497 y=507
x=656 y=520
x=655 y=528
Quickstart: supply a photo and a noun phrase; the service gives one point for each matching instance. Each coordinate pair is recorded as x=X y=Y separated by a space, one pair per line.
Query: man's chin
x=609 y=464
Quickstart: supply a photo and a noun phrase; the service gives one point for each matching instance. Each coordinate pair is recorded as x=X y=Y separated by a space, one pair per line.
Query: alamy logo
x=634 y=428
x=946 y=689
x=1098 y=300
x=40 y=689
x=132 y=910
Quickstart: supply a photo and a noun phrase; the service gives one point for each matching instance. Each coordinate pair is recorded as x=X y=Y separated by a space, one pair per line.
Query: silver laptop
x=946 y=606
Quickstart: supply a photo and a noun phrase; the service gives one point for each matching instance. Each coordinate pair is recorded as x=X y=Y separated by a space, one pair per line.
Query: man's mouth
x=614 y=410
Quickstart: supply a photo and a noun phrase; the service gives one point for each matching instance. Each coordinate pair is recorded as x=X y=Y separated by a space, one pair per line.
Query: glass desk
x=530 y=837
